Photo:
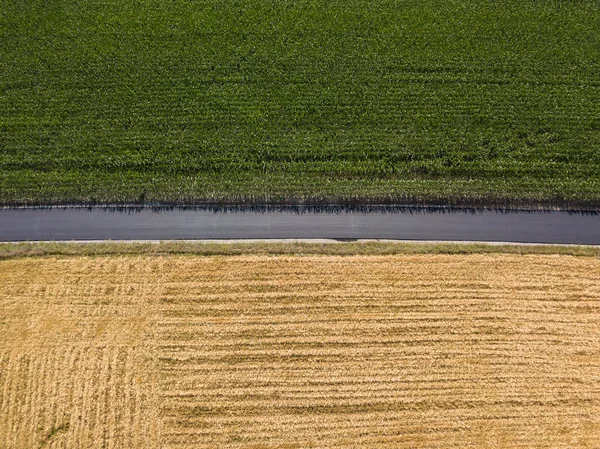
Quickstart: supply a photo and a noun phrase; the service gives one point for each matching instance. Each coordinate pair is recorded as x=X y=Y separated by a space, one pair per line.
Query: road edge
x=301 y=247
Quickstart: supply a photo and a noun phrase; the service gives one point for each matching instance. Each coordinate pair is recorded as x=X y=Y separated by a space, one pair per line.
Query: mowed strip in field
x=300 y=351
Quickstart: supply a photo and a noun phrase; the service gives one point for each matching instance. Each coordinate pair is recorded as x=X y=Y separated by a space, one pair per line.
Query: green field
x=437 y=101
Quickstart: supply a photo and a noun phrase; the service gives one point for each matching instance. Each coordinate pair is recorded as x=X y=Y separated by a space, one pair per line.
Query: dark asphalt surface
x=385 y=222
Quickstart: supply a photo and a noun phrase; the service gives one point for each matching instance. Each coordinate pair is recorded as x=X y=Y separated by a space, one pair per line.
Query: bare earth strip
x=480 y=350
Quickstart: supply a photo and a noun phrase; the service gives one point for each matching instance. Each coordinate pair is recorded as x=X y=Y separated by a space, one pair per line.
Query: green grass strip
x=54 y=249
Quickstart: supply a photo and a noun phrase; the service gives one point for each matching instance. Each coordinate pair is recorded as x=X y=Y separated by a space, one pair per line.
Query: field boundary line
x=301 y=247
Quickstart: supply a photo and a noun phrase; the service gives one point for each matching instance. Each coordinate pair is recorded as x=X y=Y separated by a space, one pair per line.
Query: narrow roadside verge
x=10 y=250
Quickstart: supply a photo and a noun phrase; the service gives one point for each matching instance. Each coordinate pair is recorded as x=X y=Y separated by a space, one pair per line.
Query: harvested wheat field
x=442 y=351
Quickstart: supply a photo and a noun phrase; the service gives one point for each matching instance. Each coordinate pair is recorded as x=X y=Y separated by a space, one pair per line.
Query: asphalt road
x=387 y=222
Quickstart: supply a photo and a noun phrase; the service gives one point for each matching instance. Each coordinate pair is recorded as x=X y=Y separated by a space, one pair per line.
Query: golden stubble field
x=434 y=351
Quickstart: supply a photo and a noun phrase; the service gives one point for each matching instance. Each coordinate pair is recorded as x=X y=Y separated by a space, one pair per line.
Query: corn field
x=434 y=101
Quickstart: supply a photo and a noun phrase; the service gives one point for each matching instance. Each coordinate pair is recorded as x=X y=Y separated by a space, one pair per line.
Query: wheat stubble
x=319 y=351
